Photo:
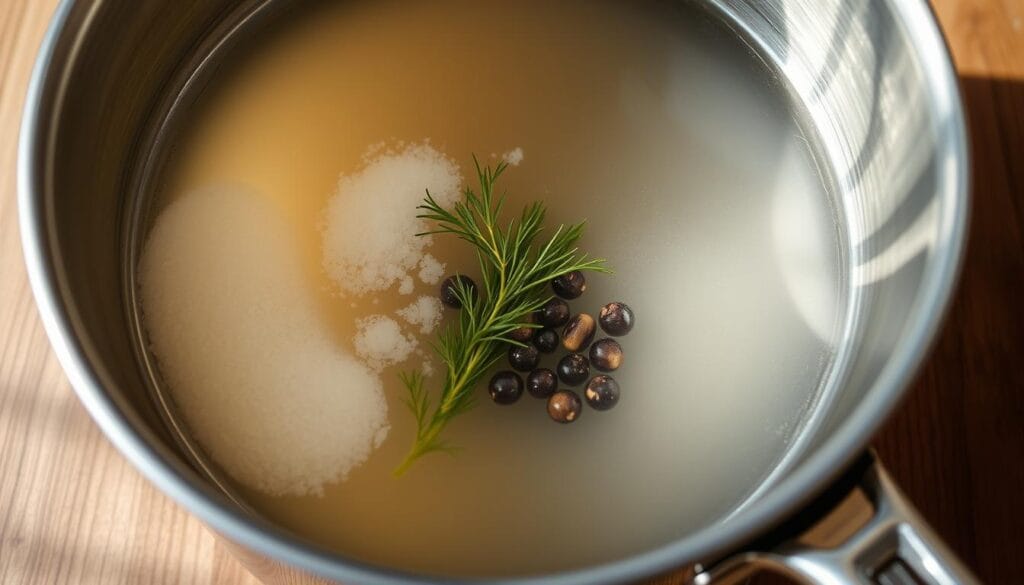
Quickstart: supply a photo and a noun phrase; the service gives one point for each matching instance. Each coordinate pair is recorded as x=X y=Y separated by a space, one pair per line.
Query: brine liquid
x=654 y=123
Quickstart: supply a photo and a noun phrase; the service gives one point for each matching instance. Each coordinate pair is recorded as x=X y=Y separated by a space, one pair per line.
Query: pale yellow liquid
x=658 y=127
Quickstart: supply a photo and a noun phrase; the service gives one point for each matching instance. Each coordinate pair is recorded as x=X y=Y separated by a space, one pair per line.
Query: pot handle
x=863 y=530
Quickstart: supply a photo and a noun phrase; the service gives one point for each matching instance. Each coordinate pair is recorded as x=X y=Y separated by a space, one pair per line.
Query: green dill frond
x=515 y=265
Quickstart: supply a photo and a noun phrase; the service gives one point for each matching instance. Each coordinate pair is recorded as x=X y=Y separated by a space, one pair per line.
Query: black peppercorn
x=506 y=387
x=606 y=354
x=578 y=332
x=553 y=313
x=569 y=286
x=448 y=288
x=523 y=357
x=573 y=369
x=564 y=406
x=616 y=318
x=602 y=392
x=541 y=383
x=546 y=340
x=524 y=334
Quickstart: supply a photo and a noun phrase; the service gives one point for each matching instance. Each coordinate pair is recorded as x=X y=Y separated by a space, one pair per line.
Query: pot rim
x=805 y=482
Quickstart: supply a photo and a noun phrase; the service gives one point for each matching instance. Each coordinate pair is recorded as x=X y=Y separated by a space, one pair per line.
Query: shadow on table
x=956 y=444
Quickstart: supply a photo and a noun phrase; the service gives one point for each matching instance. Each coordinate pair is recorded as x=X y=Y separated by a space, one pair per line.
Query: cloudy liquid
x=655 y=124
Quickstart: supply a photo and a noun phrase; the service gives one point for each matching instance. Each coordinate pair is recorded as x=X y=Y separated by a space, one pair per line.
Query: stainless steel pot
x=876 y=82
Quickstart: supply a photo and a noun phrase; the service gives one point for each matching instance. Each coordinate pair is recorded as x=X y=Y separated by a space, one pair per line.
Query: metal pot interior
x=871 y=76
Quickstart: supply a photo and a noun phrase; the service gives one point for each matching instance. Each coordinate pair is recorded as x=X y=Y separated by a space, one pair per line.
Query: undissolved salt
x=276 y=401
x=239 y=339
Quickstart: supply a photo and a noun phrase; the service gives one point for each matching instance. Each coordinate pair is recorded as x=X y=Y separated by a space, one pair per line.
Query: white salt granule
x=405 y=285
x=513 y=157
x=431 y=269
x=425 y=312
x=380 y=342
x=370 y=225
x=239 y=340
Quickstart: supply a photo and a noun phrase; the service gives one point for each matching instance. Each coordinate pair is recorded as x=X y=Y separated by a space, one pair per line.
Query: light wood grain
x=73 y=511
x=71 y=508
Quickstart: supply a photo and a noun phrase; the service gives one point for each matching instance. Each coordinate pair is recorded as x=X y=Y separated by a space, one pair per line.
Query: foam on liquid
x=654 y=124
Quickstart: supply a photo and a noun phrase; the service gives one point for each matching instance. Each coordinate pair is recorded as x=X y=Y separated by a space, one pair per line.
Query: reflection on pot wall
x=866 y=93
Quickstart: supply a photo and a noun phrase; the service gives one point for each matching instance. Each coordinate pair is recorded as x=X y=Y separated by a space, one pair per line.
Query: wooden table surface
x=73 y=511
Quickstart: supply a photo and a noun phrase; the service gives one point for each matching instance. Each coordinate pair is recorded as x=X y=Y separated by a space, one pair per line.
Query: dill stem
x=513 y=271
x=417 y=450
x=453 y=390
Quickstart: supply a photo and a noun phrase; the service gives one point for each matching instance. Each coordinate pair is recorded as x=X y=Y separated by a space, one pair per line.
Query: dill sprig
x=515 y=267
